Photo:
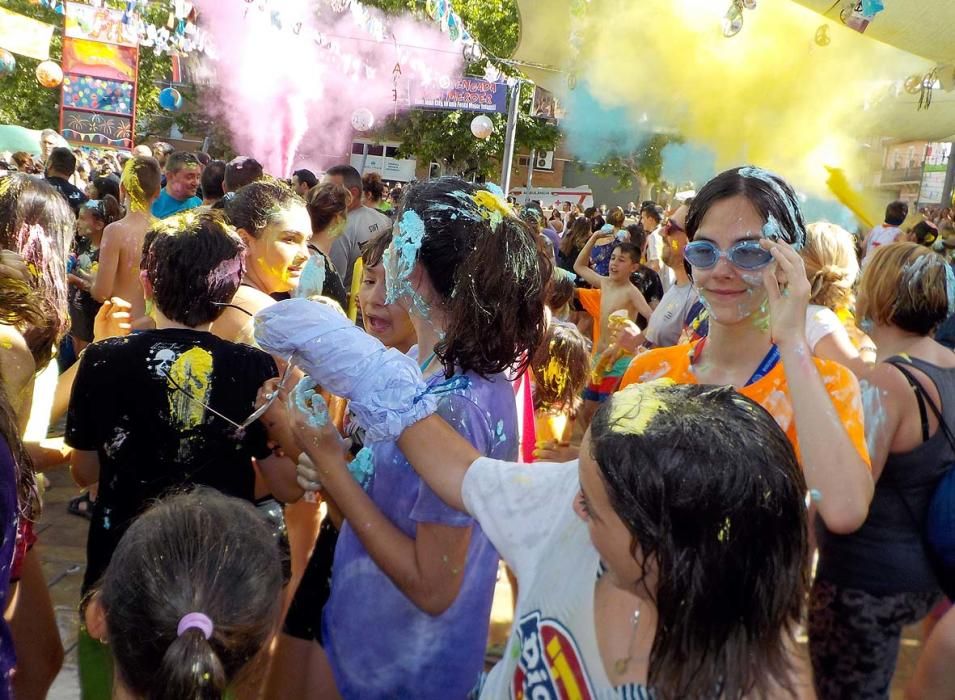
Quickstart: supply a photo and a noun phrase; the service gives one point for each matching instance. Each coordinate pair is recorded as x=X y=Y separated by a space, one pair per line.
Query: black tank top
x=886 y=555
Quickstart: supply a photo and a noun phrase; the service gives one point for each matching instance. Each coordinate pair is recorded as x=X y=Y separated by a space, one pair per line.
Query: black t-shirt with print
x=131 y=404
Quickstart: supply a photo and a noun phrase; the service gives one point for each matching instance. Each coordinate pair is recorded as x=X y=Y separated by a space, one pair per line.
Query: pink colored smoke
x=289 y=75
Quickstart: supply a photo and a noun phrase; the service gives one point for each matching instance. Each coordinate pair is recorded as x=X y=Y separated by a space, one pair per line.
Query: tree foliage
x=27 y=103
x=445 y=137
x=643 y=165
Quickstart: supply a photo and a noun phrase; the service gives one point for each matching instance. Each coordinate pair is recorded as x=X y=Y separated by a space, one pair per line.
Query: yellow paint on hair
x=634 y=408
x=130 y=181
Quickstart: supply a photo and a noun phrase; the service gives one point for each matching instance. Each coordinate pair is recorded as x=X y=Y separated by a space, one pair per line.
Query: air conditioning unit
x=545 y=161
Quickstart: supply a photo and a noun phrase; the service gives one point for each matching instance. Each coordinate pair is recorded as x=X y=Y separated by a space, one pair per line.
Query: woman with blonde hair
x=832 y=269
x=881 y=577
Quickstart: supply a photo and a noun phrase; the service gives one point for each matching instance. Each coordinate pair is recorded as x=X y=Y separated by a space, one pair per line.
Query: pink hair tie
x=195 y=620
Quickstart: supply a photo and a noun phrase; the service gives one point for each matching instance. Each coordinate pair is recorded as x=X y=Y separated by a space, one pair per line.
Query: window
x=376 y=150
x=357 y=148
x=391 y=151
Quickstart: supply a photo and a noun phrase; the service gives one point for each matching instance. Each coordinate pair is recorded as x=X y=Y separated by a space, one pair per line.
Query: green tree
x=445 y=137
x=28 y=104
x=644 y=165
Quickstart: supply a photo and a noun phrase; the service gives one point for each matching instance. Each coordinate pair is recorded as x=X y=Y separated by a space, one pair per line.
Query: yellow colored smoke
x=768 y=96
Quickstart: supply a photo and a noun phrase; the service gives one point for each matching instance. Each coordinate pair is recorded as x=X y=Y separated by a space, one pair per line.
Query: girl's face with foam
x=389 y=323
x=277 y=256
x=730 y=293
x=608 y=533
x=87 y=224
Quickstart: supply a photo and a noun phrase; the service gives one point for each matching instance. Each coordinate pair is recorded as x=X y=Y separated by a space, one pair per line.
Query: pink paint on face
x=183 y=183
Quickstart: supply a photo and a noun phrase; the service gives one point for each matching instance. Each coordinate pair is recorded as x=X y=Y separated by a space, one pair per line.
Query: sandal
x=81 y=506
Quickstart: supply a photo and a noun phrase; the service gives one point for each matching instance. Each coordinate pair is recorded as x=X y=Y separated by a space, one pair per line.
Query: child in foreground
x=683 y=496
x=190 y=599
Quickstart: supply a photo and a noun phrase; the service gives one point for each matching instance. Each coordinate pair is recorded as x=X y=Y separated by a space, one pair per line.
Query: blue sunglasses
x=746 y=255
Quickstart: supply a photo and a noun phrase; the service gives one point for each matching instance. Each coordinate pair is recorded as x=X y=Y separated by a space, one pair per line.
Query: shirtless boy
x=614 y=295
x=122 y=246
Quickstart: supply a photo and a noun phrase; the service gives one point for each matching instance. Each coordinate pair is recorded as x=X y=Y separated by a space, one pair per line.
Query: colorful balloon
x=362 y=119
x=49 y=74
x=170 y=99
x=482 y=126
x=8 y=63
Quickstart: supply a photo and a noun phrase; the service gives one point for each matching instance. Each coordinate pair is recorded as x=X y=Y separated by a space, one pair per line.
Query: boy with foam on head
x=166 y=408
x=612 y=300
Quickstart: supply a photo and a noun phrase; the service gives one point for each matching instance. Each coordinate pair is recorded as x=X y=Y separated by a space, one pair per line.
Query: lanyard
x=765 y=367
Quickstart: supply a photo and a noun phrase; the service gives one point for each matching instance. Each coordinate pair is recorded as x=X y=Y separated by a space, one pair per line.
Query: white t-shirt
x=527 y=512
x=666 y=322
x=820 y=322
x=880 y=235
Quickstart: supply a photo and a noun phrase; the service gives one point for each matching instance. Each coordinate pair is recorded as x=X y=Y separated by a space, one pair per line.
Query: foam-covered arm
x=385 y=387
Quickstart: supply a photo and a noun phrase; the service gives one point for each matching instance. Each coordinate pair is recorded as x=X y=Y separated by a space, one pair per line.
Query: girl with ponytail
x=832 y=269
x=190 y=598
x=408 y=566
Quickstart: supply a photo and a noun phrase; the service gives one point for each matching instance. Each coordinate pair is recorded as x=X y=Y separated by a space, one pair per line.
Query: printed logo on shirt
x=550 y=665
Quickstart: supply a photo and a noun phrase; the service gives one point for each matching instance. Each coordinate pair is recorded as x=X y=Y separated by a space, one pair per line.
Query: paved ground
x=63 y=552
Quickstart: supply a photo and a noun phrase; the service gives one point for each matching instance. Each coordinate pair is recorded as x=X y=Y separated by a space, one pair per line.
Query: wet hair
x=325 y=202
x=831 y=266
x=36 y=221
x=143 y=173
x=769 y=194
x=350 y=177
x=709 y=487
x=62 y=161
x=896 y=212
x=654 y=211
x=925 y=233
x=627 y=248
x=107 y=185
x=561 y=366
x=372 y=185
x=179 y=160
x=373 y=250
x=561 y=290
x=211 y=180
x=616 y=217
x=491 y=278
x=106 y=210
x=256 y=205
x=242 y=171
x=22 y=160
x=577 y=237
x=194 y=262
x=306 y=176
x=637 y=235
x=905 y=285
x=197 y=552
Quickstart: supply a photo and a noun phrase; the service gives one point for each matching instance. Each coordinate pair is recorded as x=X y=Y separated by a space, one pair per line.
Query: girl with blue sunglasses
x=745 y=226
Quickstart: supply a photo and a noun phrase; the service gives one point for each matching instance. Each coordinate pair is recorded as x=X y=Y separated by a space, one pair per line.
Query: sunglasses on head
x=672 y=227
x=746 y=255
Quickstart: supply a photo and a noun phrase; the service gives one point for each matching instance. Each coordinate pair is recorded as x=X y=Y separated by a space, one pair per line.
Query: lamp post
x=509 y=134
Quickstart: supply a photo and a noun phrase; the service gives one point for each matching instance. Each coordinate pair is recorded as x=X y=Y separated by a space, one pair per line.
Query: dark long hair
x=713 y=496
x=196 y=552
x=255 y=206
x=492 y=278
x=37 y=223
x=771 y=196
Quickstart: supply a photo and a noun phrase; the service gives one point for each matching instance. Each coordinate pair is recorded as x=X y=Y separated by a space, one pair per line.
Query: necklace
x=620 y=665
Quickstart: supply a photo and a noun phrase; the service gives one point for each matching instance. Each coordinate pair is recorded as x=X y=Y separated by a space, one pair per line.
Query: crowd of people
x=310 y=417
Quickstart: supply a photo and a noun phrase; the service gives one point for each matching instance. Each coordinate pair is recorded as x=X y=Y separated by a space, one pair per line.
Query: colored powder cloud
x=768 y=96
x=288 y=98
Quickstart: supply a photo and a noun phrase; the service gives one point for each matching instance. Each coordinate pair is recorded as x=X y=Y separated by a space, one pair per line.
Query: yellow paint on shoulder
x=192 y=371
x=634 y=408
